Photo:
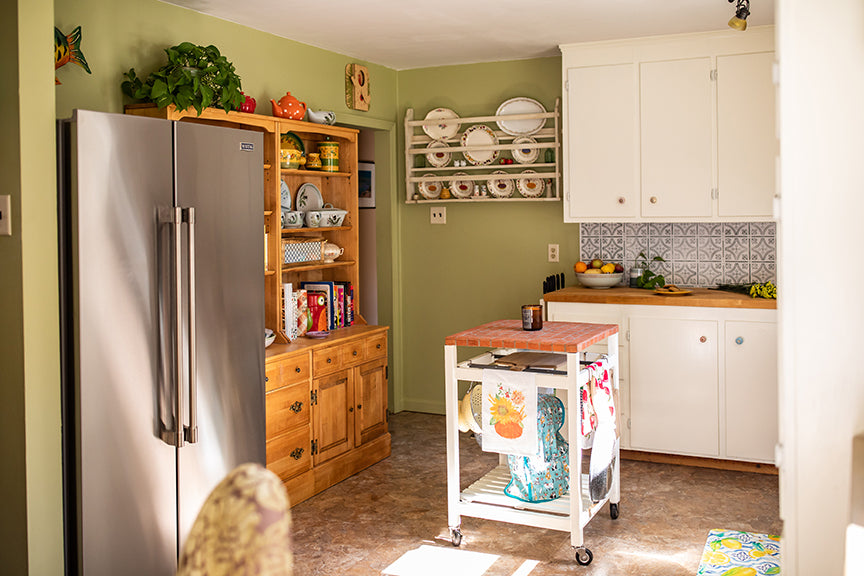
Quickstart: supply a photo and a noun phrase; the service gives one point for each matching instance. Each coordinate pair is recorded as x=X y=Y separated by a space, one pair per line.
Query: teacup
x=313 y=218
x=292 y=219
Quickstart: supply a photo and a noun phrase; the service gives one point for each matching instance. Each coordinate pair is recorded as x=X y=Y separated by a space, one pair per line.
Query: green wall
x=490 y=258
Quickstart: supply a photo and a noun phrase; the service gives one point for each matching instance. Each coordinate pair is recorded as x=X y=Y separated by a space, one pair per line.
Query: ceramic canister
x=329 y=156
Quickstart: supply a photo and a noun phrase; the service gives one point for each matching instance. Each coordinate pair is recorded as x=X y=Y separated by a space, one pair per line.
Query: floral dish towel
x=509 y=413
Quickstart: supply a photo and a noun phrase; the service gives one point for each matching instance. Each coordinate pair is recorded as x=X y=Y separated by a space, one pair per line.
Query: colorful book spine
x=318 y=310
x=340 y=301
x=301 y=312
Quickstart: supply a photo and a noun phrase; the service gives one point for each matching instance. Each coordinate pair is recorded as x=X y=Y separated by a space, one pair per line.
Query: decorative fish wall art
x=67 y=48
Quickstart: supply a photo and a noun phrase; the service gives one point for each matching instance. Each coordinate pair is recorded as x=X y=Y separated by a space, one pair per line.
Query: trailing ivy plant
x=196 y=76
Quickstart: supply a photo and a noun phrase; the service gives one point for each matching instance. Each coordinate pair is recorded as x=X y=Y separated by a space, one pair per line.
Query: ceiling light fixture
x=742 y=11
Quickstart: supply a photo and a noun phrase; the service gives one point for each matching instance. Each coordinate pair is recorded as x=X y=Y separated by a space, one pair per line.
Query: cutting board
x=522 y=360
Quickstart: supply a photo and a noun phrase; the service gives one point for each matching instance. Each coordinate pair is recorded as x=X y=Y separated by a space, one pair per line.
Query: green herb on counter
x=649 y=280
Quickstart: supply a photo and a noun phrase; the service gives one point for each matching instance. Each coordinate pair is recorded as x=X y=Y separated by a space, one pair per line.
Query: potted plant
x=196 y=76
x=644 y=277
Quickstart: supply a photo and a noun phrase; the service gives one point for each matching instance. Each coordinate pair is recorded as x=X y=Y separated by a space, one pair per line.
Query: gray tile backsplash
x=696 y=254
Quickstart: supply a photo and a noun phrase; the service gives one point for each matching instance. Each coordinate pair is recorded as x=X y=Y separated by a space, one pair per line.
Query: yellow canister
x=329 y=151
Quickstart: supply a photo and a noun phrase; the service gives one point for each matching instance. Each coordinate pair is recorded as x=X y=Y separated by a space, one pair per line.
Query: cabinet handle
x=296 y=407
x=378 y=346
x=359 y=406
x=355 y=353
x=653 y=199
x=266 y=379
x=703 y=339
x=739 y=340
x=350 y=409
x=296 y=453
x=297 y=369
x=621 y=200
x=329 y=360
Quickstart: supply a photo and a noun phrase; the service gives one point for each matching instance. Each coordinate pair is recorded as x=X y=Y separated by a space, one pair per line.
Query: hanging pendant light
x=742 y=11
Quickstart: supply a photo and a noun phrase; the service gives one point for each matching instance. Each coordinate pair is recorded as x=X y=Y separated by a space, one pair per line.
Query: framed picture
x=366 y=184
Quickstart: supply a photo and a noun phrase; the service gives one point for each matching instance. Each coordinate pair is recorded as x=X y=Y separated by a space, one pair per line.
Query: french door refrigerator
x=162 y=291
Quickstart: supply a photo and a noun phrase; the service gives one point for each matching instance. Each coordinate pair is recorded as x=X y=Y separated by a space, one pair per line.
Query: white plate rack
x=547 y=138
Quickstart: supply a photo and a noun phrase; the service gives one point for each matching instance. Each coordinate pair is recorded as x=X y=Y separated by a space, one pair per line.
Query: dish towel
x=509 y=411
x=596 y=401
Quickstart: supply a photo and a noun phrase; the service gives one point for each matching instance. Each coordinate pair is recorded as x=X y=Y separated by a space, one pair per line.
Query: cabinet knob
x=350 y=409
x=359 y=407
x=703 y=339
x=297 y=369
x=329 y=360
x=266 y=379
x=378 y=346
x=621 y=200
x=296 y=453
x=653 y=199
x=739 y=340
x=296 y=407
x=355 y=353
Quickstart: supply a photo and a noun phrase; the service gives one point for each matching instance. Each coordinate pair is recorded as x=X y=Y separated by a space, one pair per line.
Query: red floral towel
x=596 y=396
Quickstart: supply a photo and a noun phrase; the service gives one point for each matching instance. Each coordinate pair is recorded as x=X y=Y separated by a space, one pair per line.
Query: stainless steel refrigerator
x=162 y=290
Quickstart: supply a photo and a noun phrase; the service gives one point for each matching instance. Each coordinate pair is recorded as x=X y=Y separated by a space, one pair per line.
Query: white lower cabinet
x=695 y=381
x=673 y=388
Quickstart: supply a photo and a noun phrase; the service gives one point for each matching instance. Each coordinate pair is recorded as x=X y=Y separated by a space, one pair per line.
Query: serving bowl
x=325 y=218
x=600 y=280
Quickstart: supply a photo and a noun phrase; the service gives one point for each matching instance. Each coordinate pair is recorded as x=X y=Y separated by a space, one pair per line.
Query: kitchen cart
x=485 y=498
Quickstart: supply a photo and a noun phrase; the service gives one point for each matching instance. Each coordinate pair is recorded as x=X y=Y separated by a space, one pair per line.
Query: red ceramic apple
x=248 y=105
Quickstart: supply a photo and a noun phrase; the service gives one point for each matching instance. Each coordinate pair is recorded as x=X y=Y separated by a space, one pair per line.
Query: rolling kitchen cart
x=485 y=498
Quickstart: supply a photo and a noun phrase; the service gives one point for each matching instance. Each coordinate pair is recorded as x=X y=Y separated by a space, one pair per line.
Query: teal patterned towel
x=734 y=553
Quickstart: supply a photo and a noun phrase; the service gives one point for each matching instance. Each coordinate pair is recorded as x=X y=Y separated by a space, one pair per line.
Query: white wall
x=821 y=122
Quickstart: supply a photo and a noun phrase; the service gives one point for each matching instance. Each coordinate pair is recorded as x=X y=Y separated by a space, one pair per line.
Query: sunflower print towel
x=509 y=413
x=734 y=553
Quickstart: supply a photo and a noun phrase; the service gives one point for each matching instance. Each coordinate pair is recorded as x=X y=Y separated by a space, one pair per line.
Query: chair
x=244 y=528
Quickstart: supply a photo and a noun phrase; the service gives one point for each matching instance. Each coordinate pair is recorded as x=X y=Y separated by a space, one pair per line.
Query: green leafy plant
x=196 y=76
x=649 y=280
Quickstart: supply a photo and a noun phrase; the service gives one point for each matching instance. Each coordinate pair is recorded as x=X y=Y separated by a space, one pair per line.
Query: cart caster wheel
x=584 y=556
x=613 y=511
x=456 y=537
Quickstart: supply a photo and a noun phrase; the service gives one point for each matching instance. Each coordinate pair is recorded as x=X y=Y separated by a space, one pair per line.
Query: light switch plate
x=5 y=215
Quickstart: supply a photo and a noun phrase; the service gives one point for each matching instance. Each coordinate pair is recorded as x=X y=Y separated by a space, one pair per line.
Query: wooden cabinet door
x=334 y=415
x=370 y=385
x=602 y=138
x=751 y=390
x=674 y=386
x=746 y=135
x=677 y=138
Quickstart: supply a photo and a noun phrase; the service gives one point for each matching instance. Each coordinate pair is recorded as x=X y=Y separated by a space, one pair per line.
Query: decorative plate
x=500 y=188
x=290 y=141
x=438 y=159
x=429 y=190
x=461 y=188
x=480 y=135
x=520 y=106
x=309 y=197
x=286 y=196
x=441 y=129
x=530 y=187
x=525 y=155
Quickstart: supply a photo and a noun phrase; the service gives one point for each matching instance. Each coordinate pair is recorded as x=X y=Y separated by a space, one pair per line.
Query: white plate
x=500 y=188
x=429 y=190
x=441 y=129
x=520 y=106
x=309 y=198
x=480 y=135
x=530 y=187
x=438 y=158
x=525 y=155
x=461 y=188
x=286 y=196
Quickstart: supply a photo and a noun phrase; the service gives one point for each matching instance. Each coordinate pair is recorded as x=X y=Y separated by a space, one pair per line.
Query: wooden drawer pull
x=350 y=409
x=296 y=407
x=266 y=379
x=296 y=453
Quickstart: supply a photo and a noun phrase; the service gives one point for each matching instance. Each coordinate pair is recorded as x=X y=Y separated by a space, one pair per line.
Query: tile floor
x=365 y=523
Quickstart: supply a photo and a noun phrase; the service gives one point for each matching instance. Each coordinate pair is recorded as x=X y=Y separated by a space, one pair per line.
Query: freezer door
x=120 y=175
x=220 y=176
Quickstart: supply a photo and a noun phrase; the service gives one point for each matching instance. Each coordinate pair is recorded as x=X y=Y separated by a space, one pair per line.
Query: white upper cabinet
x=670 y=128
x=746 y=141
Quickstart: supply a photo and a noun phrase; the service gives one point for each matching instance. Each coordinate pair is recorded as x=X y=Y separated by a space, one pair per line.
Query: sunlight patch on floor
x=434 y=561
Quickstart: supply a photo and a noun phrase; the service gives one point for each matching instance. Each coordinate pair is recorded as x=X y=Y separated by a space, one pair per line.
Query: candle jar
x=532 y=317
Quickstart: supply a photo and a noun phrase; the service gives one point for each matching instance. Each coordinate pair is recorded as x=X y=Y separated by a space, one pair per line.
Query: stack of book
x=317 y=306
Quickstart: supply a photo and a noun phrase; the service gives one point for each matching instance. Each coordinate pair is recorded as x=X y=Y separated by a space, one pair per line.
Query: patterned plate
x=530 y=187
x=461 y=188
x=520 y=106
x=441 y=129
x=286 y=196
x=500 y=188
x=438 y=158
x=525 y=155
x=480 y=135
x=309 y=198
x=429 y=190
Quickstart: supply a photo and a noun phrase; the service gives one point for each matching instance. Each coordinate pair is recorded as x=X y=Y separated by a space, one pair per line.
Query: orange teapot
x=289 y=107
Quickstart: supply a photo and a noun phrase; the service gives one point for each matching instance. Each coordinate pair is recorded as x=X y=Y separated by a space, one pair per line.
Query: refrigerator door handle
x=190 y=432
x=174 y=217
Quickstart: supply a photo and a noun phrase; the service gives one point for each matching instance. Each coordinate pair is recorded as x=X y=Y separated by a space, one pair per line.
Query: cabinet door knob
x=329 y=360
x=266 y=379
x=297 y=369
x=350 y=409
x=739 y=340
x=355 y=353
x=703 y=339
x=653 y=199
x=621 y=200
x=378 y=346
x=297 y=453
x=296 y=406
x=359 y=407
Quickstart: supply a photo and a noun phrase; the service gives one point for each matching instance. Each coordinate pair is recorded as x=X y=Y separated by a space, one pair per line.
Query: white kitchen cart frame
x=485 y=498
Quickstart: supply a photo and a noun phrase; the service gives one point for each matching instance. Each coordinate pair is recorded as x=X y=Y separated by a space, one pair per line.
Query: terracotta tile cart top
x=566 y=337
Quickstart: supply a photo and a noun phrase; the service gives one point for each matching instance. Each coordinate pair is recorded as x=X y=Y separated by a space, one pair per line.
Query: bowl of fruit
x=598 y=274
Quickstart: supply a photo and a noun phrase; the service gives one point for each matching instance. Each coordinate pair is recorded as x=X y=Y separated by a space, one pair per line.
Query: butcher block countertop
x=701 y=297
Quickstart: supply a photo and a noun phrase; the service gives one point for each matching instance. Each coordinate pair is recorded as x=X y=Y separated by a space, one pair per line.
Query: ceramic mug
x=313 y=219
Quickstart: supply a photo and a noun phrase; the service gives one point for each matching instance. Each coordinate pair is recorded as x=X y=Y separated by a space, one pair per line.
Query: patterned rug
x=734 y=553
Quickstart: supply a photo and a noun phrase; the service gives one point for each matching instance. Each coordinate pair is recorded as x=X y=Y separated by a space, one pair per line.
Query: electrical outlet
x=438 y=215
x=5 y=215
x=553 y=252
